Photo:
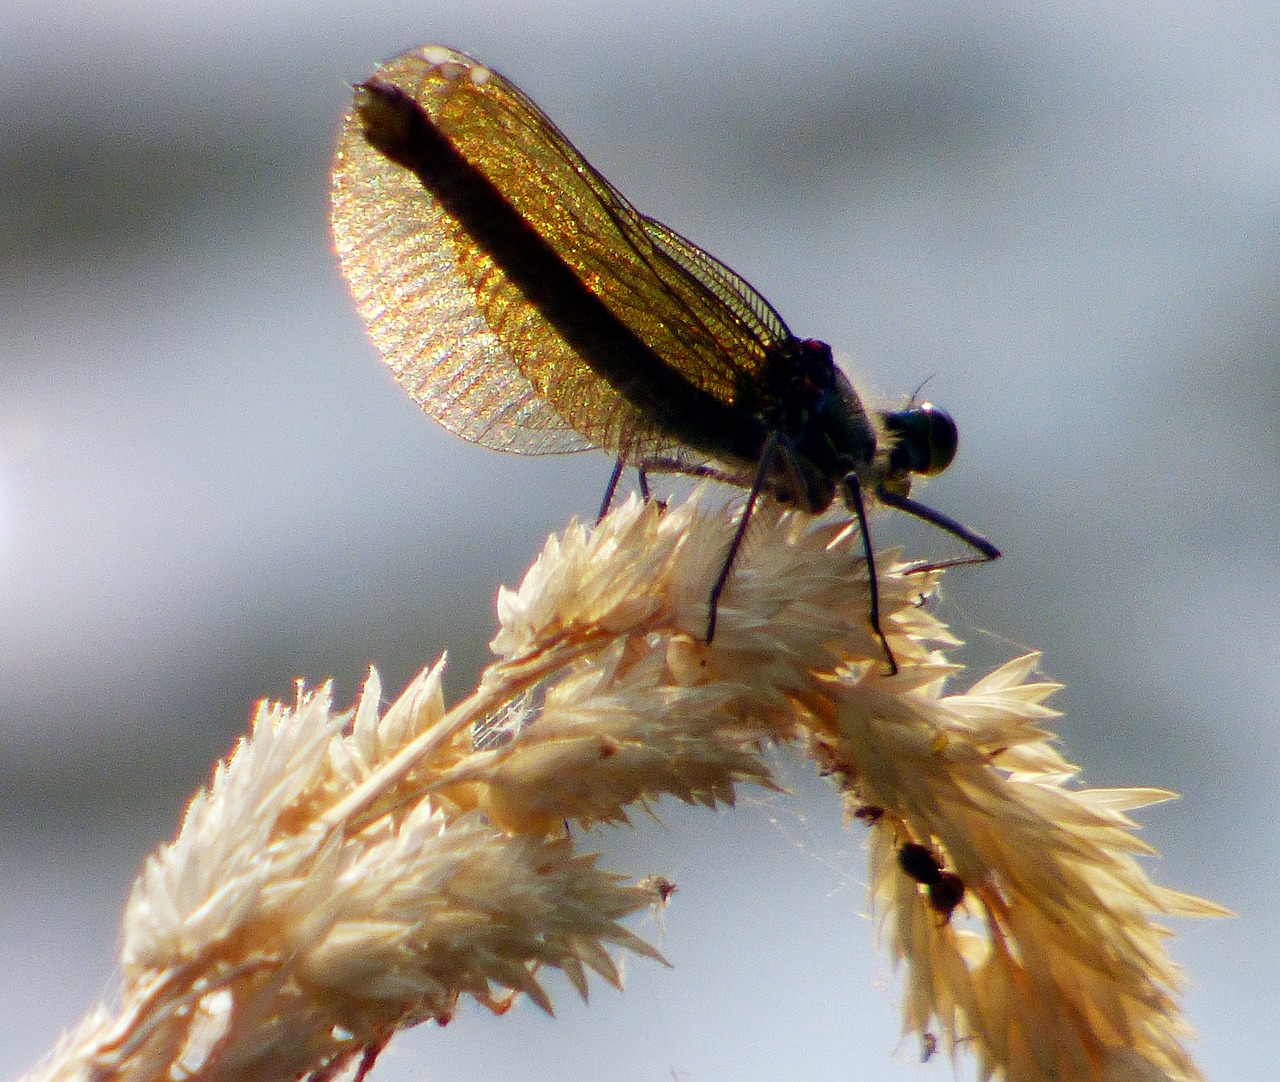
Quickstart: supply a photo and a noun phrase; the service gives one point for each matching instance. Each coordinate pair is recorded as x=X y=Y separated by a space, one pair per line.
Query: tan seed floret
x=346 y=875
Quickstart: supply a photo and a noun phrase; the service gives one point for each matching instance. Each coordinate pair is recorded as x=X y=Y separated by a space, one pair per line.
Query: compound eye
x=927 y=439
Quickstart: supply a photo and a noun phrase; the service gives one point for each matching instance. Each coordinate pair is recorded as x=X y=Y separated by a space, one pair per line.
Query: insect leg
x=986 y=551
x=642 y=475
x=659 y=464
x=369 y=1057
x=611 y=488
x=762 y=471
x=853 y=493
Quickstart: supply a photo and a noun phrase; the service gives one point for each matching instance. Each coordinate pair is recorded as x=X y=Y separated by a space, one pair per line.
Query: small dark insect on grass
x=945 y=889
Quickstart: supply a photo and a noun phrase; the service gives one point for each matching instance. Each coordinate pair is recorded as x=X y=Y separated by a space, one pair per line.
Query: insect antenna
x=915 y=395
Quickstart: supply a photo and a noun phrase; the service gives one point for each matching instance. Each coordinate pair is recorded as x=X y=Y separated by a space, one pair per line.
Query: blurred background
x=210 y=487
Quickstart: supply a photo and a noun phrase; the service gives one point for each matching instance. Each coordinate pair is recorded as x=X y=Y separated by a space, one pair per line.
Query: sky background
x=210 y=487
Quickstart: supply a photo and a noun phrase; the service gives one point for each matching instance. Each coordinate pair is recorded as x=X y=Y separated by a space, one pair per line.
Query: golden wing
x=475 y=344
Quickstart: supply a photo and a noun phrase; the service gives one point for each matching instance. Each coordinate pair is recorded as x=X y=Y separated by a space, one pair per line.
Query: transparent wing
x=396 y=250
x=465 y=341
x=739 y=297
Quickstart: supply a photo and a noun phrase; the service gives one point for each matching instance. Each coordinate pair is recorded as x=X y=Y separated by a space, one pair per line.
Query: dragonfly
x=524 y=303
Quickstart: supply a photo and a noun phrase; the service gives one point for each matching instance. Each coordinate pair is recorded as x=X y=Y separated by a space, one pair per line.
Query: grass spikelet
x=347 y=874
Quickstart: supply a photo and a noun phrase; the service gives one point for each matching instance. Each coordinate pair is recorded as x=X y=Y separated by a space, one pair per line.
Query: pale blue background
x=209 y=486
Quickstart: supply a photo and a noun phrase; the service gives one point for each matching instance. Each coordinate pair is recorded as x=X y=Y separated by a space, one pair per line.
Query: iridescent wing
x=475 y=349
x=738 y=296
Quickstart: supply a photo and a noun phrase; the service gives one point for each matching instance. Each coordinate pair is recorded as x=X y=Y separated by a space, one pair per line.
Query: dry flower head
x=349 y=874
